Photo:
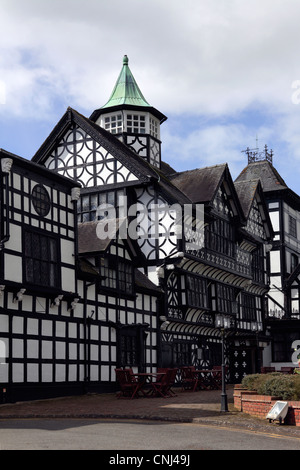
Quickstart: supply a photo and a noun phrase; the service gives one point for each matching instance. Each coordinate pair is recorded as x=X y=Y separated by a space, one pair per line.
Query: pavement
x=201 y=407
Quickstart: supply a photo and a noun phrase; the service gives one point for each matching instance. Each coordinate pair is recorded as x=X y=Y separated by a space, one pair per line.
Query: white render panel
x=27 y=303
x=274 y=216
x=67 y=251
x=13 y=268
x=32 y=326
x=17 y=348
x=47 y=329
x=47 y=350
x=18 y=373
x=105 y=373
x=72 y=372
x=47 y=373
x=60 y=350
x=60 y=372
x=68 y=279
x=32 y=349
x=18 y=325
x=4 y=373
x=32 y=372
x=275 y=265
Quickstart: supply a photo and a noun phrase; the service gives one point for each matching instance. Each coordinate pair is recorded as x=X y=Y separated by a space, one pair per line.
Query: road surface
x=96 y=434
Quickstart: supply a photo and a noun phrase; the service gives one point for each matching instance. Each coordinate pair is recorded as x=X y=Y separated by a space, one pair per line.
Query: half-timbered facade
x=195 y=239
x=109 y=257
x=39 y=328
x=283 y=264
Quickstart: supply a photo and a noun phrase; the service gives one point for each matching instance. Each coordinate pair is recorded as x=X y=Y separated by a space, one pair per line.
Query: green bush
x=254 y=381
x=251 y=382
x=286 y=387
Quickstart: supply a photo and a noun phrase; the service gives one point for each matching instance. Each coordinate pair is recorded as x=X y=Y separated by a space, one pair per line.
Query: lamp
x=278 y=411
x=223 y=322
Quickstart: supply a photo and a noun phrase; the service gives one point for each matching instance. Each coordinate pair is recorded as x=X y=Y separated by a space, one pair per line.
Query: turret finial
x=125 y=60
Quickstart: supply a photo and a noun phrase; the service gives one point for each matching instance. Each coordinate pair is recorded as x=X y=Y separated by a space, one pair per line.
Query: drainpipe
x=86 y=335
x=6 y=164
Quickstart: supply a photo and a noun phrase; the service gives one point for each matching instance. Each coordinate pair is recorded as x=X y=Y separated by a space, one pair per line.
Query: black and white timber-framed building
x=283 y=308
x=109 y=257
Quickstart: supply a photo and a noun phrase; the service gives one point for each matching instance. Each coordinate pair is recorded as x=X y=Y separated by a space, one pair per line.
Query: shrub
x=286 y=387
x=278 y=386
x=255 y=381
x=251 y=382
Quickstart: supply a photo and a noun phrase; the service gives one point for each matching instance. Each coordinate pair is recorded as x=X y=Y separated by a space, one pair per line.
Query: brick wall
x=260 y=405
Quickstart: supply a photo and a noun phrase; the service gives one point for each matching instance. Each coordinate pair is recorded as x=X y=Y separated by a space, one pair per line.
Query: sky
x=226 y=73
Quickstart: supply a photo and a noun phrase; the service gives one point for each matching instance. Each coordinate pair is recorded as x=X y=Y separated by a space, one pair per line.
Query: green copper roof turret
x=126 y=95
x=126 y=90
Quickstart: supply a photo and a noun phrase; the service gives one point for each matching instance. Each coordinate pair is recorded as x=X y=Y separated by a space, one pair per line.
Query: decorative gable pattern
x=255 y=224
x=79 y=157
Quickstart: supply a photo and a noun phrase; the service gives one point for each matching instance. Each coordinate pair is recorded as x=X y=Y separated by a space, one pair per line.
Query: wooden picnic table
x=146 y=380
x=208 y=379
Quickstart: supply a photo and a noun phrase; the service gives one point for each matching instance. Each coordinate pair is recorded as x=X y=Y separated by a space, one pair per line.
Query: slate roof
x=246 y=191
x=271 y=181
x=200 y=185
x=142 y=281
x=265 y=171
x=88 y=240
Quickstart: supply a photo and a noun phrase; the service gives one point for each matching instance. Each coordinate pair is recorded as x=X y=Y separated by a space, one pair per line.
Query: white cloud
x=207 y=56
x=214 y=60
x=212 y=144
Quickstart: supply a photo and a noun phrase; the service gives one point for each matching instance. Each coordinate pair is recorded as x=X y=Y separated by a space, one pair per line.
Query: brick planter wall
x=260 y=405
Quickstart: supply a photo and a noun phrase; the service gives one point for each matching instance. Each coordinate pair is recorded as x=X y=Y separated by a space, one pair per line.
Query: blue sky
x=225 y=72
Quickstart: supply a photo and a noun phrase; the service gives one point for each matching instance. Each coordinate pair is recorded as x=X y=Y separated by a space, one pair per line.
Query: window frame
x=119 y=274
x=40 y=270
x=40 y=200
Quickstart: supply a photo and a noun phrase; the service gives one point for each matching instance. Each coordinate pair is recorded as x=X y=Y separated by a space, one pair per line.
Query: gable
x=80 y=157
x=81 y=150
x=221 y=203
x=255 y=224
x=255 y=209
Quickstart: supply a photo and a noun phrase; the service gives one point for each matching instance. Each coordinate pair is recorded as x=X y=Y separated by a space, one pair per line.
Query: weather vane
x=256 y=155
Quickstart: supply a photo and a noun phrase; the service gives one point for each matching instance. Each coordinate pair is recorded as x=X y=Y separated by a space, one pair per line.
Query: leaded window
x=129 y=348
x=109 y=273
x=116 y=274
x=40 y=200
x=182 y=353
x=154 y=128
x=226 y=299
x=136 y=123
x=282 y=345
x=219 y=237
x=113 y=124
x=249 y=307
x=292 y=226
x=197 y=292
x=91 y=206
x=41 y=259
x=258 y=265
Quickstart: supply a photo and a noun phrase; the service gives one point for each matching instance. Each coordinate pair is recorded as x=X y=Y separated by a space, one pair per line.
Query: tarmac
x=200 y=407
